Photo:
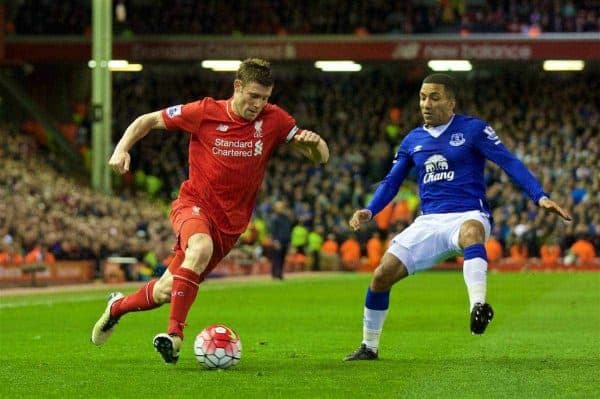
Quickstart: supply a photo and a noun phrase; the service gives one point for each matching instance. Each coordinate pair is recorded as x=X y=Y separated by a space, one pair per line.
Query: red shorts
x=190 y=220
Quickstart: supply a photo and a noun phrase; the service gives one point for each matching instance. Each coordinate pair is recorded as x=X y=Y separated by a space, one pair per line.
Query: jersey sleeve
x=390 y=185
x=288 y=128
x=490 y=145
x=186 y=117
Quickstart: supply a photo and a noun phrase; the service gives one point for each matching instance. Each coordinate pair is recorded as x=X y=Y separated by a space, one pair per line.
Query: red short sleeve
x=186 y=117
x=287 y=125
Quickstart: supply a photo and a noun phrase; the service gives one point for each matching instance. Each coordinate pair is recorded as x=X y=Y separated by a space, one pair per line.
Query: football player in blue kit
x=449 y=152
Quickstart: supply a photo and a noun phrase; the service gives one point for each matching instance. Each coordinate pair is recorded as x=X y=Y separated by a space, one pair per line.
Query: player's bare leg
x=390 y=271
x=184 y=288
x=471 y=238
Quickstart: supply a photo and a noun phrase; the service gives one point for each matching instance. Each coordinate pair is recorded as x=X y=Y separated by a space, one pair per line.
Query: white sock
x=475 y=274
x=372 y=326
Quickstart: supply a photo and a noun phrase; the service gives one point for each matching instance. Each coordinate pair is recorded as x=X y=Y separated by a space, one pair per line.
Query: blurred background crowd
x=363 y=117
x=297 y=17
x=550 y=121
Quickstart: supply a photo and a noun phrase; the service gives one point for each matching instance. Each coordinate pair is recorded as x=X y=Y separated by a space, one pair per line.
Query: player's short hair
x=255 y=70
x=447 y=81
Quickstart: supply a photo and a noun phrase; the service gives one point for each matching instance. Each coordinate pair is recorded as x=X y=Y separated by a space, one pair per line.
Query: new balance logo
x=222 y=128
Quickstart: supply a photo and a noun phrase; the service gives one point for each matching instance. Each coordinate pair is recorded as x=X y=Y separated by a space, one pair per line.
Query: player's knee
x=196 y=259
x=382 y=280
x=164 y=296
x=162 y=292
x=471 y=232
x=198 y=253
x=387 y=274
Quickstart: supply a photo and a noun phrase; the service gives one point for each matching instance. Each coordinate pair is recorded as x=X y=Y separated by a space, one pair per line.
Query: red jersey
x=228 y=156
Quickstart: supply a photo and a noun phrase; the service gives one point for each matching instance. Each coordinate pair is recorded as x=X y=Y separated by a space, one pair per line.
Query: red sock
x=142 y=299
x=183 y=294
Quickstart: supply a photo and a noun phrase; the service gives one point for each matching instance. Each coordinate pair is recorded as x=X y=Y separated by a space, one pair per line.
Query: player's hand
x=553 y=207
x=119 y=161
x=308 y=138
x=361 y=216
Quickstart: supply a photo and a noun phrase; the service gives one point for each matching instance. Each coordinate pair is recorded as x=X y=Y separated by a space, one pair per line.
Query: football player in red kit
x=231 y=142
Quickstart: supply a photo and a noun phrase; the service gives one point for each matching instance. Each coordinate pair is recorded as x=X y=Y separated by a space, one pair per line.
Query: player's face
x=436 y=106
x=250 y=99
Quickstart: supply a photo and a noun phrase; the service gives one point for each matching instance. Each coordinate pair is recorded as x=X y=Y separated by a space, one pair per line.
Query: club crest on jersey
x=457 y=139
x=222 y=128
x=436 y=169
x=174 y=111
x=258 y=129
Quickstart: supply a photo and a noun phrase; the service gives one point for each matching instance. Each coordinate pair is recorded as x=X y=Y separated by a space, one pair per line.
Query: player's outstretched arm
x=360 y=217
x=312 y=146
x=551 y=206
x=139 y=128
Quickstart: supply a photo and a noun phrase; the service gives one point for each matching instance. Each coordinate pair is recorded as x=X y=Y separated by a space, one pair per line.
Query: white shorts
x=433 y=238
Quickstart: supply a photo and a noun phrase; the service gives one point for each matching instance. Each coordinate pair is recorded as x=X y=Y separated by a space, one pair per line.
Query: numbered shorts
x=433 y=238
x=189 y=220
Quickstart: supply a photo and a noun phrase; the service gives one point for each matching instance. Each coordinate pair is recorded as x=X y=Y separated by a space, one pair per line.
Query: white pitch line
x=51 y=302
x=103 y=295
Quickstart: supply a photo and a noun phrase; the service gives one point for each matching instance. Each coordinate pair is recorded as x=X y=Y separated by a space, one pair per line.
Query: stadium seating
x=557 y=143
x=304 y=17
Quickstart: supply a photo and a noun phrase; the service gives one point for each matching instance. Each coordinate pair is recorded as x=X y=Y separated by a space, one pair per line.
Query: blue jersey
x=450 y=168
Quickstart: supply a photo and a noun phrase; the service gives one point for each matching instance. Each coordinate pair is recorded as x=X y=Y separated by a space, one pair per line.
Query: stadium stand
x=559 y=144
x=297 y=17
x=550 y=121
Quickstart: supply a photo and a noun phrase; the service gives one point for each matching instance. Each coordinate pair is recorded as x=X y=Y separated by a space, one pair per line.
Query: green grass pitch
x=543 y=343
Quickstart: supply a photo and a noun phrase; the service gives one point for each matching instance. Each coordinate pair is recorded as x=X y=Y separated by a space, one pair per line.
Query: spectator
x=582 y=252
x=374 y=251
x=330 y=258
x=350 y=253
x=9 y=254
x=280 y=228
x=550 y=252
x=315 y=243
x=40 y=254
x=493 y=248
x=518 y=251
x=299 y=237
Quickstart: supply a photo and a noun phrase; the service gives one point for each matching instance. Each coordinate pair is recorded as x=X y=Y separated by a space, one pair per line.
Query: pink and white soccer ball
x=218 y=347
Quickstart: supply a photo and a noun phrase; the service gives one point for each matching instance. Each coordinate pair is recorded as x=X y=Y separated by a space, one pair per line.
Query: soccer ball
x=218 y=347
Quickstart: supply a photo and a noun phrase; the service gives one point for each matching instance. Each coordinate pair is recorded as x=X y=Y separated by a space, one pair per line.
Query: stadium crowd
x=295 y=17
x=47 y=216
x=559 y=143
